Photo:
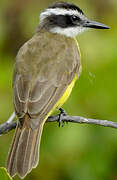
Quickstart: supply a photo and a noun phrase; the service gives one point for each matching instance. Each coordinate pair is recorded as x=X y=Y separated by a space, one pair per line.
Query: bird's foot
x=62 y=113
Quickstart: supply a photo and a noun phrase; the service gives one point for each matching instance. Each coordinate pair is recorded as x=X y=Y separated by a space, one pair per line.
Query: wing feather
x=39 y=81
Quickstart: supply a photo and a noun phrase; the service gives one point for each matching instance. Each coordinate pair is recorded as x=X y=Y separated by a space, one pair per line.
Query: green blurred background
x=75 y=152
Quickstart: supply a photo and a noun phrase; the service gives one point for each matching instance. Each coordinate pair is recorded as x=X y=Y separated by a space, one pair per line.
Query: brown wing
x=43 y=70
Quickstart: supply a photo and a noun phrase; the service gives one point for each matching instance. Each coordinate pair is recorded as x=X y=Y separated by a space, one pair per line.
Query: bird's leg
x=62 y=113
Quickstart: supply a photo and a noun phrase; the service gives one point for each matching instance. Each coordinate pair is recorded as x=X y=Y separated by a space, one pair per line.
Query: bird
x=45 y=71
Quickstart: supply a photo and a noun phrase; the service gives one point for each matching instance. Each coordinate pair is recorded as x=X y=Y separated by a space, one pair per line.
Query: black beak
x=95 y=25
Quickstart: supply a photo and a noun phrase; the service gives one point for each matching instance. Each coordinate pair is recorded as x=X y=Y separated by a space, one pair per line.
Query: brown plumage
x=44 y=67
x=23 y=155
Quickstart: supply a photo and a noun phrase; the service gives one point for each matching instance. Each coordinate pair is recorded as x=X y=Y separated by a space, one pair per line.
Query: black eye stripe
x=64 y=21
x=75 y=18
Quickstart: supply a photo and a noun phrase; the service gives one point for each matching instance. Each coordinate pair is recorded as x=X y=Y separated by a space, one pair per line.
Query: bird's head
x=67 y=19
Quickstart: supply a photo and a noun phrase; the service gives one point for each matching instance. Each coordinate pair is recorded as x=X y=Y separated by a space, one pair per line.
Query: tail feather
x=24 y=152
x=24 y=155
x=36 y=149
x=12 y=153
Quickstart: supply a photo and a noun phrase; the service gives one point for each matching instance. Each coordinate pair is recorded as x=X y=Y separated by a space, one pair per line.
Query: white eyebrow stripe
x=59 y=11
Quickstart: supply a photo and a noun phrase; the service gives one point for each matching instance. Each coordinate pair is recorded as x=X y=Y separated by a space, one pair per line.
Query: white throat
x=69 y=32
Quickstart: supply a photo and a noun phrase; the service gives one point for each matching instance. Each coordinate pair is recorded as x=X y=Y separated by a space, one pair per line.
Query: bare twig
x=6 y=127
x=9 y=125
x=11 y=118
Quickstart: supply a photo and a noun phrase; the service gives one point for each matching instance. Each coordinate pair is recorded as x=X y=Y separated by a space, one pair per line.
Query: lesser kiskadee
x=46 y=69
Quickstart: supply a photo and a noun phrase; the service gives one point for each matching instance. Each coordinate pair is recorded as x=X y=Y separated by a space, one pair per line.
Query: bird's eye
x=75 y=18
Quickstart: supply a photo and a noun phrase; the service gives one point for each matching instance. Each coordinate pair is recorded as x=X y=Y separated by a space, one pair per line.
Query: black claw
x=63 y=123
x=62 y=113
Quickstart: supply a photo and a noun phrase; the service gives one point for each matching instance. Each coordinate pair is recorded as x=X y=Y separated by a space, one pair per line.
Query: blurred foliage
x=4 y=175
x=74 y=152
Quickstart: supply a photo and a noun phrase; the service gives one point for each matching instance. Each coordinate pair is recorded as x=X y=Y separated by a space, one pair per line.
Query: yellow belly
x=64 y=97
x=66 y=94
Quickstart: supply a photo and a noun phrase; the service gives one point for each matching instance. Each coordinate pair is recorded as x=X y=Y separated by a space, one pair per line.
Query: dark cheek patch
x=62 y=21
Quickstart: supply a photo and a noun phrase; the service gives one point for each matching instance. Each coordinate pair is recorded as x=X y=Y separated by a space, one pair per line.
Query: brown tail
x=23 y=154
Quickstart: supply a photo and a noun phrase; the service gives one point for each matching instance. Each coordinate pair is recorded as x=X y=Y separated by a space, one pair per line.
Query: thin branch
x=9 y=125
x=6 y=127
x=11 y=118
